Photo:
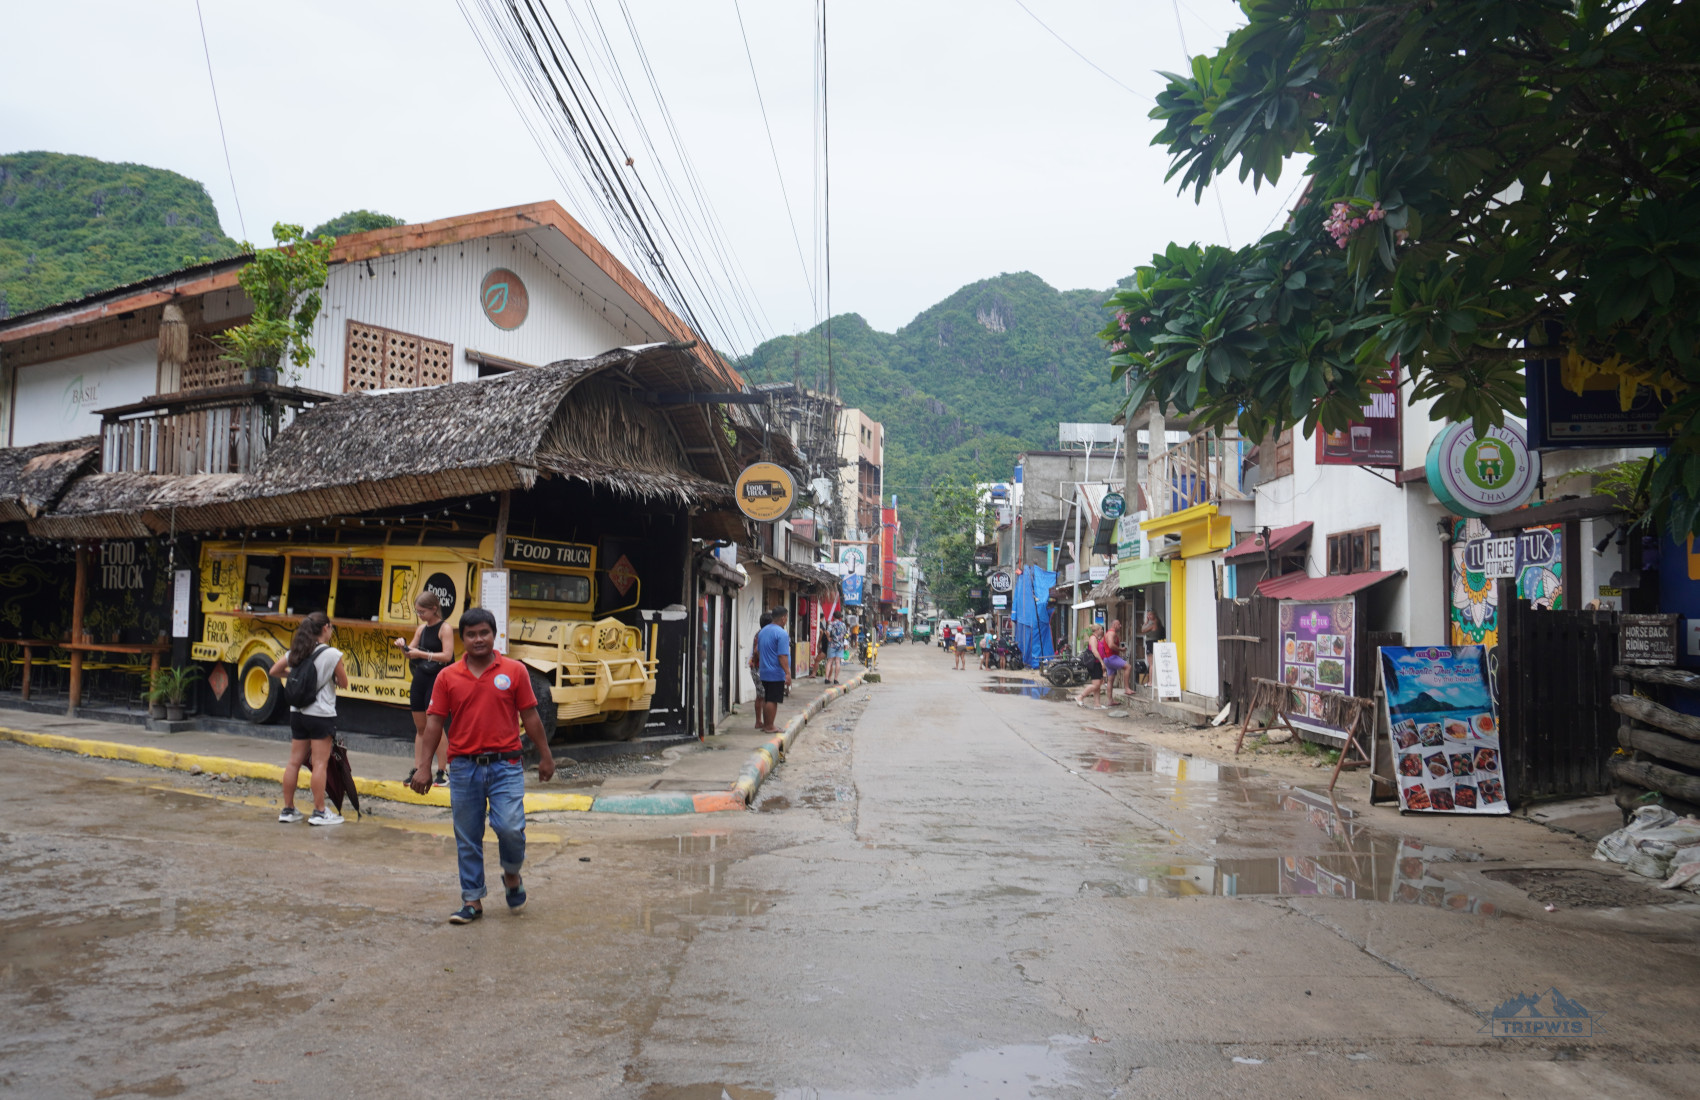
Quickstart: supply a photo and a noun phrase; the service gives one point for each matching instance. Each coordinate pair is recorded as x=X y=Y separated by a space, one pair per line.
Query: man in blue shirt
x=773 y=657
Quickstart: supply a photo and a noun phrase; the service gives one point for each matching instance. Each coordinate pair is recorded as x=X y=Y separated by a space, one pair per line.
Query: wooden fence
x=1557 y=725
x=1248 y=646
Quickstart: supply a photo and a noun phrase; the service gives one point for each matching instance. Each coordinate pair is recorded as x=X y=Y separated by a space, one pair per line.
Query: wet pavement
x=947 y=892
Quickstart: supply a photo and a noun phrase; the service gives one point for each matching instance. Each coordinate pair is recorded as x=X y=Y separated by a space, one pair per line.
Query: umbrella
x=339 y=778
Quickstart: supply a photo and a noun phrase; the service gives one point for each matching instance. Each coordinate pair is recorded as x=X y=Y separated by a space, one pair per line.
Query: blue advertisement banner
x=1560 y=419
x=1444 y=729
x=852 y=591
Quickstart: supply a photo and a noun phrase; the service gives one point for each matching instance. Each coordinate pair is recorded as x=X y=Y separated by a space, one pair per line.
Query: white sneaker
x=290 y=815
x=325 y=816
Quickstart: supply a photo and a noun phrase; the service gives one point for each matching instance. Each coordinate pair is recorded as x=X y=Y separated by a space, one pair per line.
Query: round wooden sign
x=504 y=299
x=766 y=492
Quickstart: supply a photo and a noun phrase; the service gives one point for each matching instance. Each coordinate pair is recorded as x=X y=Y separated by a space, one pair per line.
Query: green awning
x=1137 y=571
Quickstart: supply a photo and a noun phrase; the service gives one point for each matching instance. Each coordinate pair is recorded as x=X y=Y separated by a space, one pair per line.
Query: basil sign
x=1486 y=476
x=1114 y=505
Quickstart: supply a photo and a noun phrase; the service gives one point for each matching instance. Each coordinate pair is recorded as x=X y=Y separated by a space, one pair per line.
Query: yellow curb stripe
x=388 y=789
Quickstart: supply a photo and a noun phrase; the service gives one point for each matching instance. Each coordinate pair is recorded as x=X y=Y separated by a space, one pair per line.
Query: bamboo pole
x=79 y=598
x=502 y=530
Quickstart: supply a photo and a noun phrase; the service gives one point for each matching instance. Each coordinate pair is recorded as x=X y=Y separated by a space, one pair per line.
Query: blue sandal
x=516 y=896
x=466 y=914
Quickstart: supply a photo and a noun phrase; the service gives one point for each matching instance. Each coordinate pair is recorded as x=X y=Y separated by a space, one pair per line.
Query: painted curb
x=387 y=789
x=767 y=756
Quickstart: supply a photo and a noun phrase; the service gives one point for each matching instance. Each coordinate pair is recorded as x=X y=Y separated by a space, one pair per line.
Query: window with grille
x=381 y=359
x=1355 y=551
x=206 y=365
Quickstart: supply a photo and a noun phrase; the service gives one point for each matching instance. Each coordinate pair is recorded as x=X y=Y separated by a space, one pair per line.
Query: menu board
x=1316 y=652
x=1444 y=729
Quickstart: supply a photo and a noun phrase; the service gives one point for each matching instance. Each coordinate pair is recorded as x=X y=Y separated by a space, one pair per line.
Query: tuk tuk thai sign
x=766 y=492
x=1372 y=441
x=1443 y=729
x=1482 y=477
x=1316 y=653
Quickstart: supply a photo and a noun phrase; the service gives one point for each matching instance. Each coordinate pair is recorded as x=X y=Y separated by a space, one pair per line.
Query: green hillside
x=989 y=371
x=70 y=226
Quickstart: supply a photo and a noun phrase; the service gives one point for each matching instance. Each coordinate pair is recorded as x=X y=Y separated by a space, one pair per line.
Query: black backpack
x=302 y=687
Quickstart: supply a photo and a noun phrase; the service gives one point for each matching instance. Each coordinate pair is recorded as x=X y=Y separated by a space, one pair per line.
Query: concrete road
x=947 y=891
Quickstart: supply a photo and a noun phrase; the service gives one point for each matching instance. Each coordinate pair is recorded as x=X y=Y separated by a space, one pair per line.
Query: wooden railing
x=1204 y=468
x=223 y=430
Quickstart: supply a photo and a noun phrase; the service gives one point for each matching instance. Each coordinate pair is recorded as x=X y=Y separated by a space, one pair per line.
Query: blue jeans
x=501 y=786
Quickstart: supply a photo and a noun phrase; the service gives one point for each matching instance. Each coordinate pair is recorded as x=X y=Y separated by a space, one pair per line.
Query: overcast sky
x=966 y=140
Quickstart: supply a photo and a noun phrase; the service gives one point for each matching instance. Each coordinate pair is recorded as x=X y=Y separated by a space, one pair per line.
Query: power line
x=1070 y=47
x=206 y=51
x=772 y=148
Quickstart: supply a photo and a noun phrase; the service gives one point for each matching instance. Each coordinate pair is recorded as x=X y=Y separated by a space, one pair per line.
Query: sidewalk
x=698 y=777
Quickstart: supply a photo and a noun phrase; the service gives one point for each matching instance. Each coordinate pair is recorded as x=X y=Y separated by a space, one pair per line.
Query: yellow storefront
x=1202 y=531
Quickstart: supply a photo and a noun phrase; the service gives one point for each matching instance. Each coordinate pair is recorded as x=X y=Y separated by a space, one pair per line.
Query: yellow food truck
x=584 y=670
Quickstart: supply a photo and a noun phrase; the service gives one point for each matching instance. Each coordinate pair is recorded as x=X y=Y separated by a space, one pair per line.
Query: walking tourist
x=959 y=646
x=837 y=647
x=486 y=698
x=312 y=726
x=433 y=646
x=1094 y=656
x=1114 y=663
x=773 y=666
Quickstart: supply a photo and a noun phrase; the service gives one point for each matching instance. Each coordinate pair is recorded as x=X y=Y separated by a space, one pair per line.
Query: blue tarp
x=1030 y=607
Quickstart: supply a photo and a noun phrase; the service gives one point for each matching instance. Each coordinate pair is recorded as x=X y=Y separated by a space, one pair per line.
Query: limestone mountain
x=71 y=225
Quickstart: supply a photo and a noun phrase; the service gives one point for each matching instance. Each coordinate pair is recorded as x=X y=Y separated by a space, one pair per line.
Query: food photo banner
x=1316 y=652
x=1444 y=729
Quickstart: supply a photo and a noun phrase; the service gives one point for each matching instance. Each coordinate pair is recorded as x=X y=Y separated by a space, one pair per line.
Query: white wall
x=434 y=292
x=1202 y=673
x=58 y=399
x=1345 y=498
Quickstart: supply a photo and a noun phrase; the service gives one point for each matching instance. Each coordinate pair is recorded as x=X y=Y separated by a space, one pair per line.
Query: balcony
x=221 y=430
x=1204 y=468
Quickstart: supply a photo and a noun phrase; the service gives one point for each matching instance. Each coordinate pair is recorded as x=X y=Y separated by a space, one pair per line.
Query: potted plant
x=154 y=692
x=284 y=284
x=175 y=684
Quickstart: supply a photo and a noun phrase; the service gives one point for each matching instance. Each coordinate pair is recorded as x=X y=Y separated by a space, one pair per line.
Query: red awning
x=1280 y=539
x=1298 y=586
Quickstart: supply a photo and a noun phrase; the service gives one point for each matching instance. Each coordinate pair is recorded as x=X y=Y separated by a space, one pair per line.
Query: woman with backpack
x=311 y=662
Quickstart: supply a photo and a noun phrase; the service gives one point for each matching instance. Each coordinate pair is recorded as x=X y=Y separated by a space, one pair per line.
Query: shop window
x=380 y=359
x=1355 y=551
x=567 y=588
x=309 y=585
x=264 y=582
x=359 y=588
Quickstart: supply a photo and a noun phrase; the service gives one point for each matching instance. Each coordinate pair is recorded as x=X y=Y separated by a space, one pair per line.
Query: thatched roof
x=32 y=479
x=360 y=452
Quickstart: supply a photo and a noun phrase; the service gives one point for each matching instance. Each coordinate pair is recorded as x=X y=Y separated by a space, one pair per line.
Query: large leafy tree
x=1484 y=175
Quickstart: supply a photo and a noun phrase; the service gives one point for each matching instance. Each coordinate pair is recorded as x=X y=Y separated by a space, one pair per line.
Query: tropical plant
x=284 y=284
x=1483 y=173
x=174 y=683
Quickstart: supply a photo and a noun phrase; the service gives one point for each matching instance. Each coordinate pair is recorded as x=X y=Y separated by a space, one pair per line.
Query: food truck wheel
x=627 y=726
x=258 y=696
x=540 y=687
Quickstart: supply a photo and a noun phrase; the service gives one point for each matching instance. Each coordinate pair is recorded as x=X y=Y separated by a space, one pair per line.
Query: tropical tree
x=947 y=547
x=1486 y=177
x=284 y=284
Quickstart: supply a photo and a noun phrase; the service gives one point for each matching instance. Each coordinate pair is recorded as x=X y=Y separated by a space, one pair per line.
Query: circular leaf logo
x=504 y=299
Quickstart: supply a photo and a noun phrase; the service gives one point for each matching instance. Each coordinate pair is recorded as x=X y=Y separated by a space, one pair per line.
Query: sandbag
x=1645 y=823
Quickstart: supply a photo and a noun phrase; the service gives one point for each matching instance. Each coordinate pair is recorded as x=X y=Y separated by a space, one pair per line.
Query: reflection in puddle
x=700 y=873
x=1344 y=858
x=1029 y=688
x=1009 y=1073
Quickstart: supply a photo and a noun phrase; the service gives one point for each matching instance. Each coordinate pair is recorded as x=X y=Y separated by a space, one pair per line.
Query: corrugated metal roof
x=1279 y=539
x=1299 y=586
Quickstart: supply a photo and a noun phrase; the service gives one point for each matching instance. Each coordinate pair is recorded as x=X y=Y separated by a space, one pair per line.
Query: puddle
x=1280 y=841
x=1027 y=1070
x=700 y=874
x=1039 y=690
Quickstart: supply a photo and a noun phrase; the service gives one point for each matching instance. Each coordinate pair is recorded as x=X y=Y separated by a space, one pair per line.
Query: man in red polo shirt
x=486 y=697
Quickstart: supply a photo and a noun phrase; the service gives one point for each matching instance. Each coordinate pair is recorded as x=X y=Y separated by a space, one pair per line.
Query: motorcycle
x=1068 y=670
